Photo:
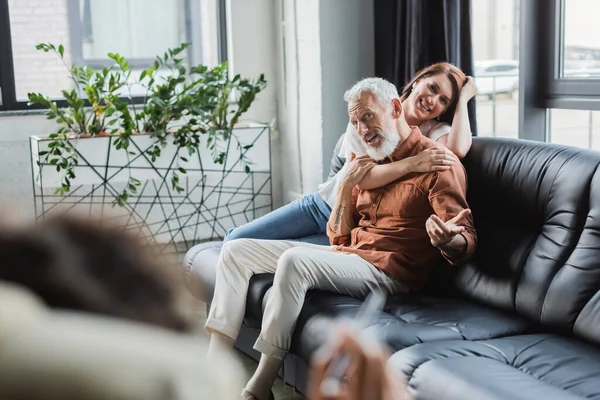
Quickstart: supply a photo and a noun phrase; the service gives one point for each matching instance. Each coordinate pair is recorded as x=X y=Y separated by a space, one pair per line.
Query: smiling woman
x=433 y=93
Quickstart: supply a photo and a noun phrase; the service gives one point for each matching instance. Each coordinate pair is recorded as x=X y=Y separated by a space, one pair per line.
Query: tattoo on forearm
x=338 y=219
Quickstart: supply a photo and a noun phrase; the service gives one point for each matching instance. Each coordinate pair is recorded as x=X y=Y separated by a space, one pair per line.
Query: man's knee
x=231 y=249
x=292 y=265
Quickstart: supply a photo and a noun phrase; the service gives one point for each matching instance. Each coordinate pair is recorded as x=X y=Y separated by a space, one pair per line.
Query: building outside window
x=139 y=30
x=496 y=52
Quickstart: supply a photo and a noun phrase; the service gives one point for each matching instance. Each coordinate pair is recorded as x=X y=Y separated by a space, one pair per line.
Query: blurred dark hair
x=79 y=264
x=454 y=74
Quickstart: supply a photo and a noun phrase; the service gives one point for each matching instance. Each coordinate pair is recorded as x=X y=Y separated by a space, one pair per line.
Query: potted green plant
x=188 y=108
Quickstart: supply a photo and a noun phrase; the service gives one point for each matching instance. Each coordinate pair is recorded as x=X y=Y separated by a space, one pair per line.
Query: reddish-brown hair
x=456 y=77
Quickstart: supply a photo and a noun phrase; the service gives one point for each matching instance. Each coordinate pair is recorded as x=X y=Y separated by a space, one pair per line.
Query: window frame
x=567 y=93
x=540 y=85
x=8 y=97
x=7 y=76
x=534 y=51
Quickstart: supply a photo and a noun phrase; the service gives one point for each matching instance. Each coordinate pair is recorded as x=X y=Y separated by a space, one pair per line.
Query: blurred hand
x=368 y=376
x=469 y=89
x=433 y=159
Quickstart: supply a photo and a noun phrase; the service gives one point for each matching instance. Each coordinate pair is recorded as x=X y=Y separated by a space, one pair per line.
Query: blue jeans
x=304 y=220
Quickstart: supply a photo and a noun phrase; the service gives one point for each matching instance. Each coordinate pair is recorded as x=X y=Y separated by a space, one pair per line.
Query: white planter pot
x=216 y=198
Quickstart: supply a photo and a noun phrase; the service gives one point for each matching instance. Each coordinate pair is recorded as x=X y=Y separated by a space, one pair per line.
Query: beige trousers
x=298 y=267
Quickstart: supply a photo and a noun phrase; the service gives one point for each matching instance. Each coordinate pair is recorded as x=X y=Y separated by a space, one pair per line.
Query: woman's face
x=430 y=98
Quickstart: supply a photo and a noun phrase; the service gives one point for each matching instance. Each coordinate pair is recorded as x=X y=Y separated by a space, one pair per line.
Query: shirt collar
x=406 y=147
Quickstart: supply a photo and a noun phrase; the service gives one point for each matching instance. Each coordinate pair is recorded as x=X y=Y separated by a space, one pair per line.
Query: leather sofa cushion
x=257 y=298
x=539 y=366
x=406 y=320
x=455 y=381
x=200 y=267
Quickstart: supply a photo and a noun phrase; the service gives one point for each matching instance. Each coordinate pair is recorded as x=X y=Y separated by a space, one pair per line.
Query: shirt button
x=374 y=205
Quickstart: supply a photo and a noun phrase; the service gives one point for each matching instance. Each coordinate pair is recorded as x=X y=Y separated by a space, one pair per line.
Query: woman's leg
x=304 y=217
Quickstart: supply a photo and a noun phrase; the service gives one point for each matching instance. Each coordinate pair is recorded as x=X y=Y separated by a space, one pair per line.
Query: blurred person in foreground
x=63 y=281
x=88 y=311
x=90 y=265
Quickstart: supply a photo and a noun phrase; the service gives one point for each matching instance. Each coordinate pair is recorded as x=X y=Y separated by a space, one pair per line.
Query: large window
x=574 y=80
x=562 y=71
x=496 y=52
x=537 y=67
x=90 y=29
x=580 y=47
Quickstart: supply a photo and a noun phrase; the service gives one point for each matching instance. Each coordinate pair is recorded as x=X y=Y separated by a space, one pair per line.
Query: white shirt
x=353 y=143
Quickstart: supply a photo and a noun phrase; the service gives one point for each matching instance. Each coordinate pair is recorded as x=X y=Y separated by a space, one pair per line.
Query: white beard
x=391 y=138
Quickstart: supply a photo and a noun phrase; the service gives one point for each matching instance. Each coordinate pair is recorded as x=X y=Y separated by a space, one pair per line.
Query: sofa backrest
x=537 y=213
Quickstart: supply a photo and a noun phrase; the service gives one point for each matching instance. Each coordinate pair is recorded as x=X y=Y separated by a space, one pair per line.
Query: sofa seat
x=405 y=321
x=538 y=366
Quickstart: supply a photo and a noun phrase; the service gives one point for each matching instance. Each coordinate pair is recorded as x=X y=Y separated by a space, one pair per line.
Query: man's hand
x=357 y=170
x=443 y=234
x=433 y=159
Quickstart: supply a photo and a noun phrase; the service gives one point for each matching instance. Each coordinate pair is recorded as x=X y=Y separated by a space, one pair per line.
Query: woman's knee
x=251 y=230
x=233 y=234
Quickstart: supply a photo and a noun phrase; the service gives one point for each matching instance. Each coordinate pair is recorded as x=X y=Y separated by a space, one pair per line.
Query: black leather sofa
x=521 y=320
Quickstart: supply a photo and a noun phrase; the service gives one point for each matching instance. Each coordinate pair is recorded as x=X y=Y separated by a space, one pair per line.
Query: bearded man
x=387 y=238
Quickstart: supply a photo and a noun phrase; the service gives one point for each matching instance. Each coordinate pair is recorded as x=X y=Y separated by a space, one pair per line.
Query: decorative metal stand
x=216 y=197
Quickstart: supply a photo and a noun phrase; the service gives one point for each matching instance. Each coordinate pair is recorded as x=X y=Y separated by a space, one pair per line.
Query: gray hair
x=383 y=90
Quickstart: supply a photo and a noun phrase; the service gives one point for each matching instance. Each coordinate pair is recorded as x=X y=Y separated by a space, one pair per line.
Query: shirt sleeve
x=448 y=197
x=438 y=130
x=352 y=143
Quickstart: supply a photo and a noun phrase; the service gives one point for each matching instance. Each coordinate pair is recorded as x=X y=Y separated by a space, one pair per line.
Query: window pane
x=579 y=128
x=136 y=29
x=30 y=24
x=581 y=51
x=89 y=29
x=496 y=51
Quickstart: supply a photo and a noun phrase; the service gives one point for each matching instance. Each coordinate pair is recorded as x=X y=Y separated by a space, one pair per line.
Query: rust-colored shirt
x=390 y=231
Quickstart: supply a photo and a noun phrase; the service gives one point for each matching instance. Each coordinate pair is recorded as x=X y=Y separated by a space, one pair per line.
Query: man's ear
x=396 y=108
